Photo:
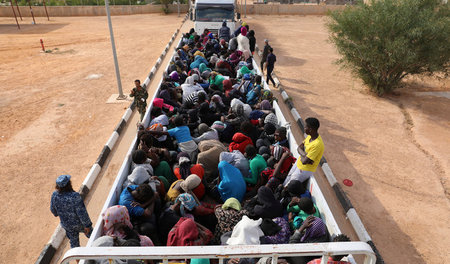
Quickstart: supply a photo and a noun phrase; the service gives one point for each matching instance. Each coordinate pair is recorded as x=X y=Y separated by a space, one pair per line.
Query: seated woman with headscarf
x=190 y=86
x=243 y=71
x=228 y=215
x=197 y=61
x=280 y=237
x=208 y=157
x=217 y=80
x=267 y=95
x=192 y=185
x=235 y=117
x=186 y=169
x=224 y=68
x=116 y=223
x=169 y=95
x=202 y=68
x=206 y=133
x=232 y=182
x=206 y=115
x=240 y=142
x=227 y=89
x=188 y=233
x=187 y=205
x=264 y=205
x=216 y=105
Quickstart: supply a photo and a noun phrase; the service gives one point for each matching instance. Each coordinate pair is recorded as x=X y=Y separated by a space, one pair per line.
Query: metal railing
x=165 y=254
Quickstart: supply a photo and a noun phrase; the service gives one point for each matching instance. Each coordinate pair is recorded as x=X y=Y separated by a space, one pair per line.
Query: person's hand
x=307 y=223
x=134 y=204
x=291 y=217
x=294 y=200
x=233 y=261
x=87 y=231
x=154 y=150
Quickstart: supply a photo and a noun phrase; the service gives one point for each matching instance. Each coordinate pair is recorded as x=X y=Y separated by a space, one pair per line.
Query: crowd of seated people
x=214 y=166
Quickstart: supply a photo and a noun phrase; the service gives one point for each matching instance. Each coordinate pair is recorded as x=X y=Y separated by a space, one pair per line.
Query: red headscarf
x=186 y=233
x=240 y=142
x=227 y=86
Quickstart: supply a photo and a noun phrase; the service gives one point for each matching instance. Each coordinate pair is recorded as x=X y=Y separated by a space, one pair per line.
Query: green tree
x=386 y=40
x=166 y=3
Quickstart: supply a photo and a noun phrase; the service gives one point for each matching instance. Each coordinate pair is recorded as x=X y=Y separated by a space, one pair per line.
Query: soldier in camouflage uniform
x=140 y=98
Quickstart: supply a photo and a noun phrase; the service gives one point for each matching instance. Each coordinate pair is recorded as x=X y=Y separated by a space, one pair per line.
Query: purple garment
x=174 y=76
x=317 y=229
x=265 y=105
x=281 y=237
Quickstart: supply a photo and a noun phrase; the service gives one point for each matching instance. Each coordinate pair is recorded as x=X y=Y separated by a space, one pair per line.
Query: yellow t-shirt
x=314 y=151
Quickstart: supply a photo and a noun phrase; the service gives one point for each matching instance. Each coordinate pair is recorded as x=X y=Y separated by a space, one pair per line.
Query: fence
x=256 y=9
x=165 y=254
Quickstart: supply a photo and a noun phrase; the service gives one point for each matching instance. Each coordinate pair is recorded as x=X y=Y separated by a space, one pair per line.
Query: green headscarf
x=244 y=70
x=218 y=80
x=202 y=67
x=232 y=203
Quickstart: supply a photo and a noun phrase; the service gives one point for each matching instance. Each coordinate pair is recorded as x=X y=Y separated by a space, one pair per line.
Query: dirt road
x=54 y=115
x=55 y=120
x=394 y=149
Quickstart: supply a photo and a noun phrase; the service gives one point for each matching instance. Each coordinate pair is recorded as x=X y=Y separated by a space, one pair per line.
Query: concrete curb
x=345 y=202
x=58 y=236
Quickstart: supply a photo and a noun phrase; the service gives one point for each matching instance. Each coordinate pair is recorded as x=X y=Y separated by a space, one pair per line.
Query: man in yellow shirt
x=311 y=152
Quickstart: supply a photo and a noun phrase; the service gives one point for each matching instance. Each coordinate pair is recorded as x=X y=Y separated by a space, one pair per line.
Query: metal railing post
x=113 y=46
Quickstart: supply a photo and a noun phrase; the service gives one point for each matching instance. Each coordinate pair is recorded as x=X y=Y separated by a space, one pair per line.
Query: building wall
x=259 y=9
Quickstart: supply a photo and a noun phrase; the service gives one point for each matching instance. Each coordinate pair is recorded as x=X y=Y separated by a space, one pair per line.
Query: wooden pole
x=45 y=6
x=31 y=10
x=18 y=10
x=17 y=22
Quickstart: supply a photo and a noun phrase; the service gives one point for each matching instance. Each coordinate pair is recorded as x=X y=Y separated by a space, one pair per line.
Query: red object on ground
x=348 y=182
x=42 y=45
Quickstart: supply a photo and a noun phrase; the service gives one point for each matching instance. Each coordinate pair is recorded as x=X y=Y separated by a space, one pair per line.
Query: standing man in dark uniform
x=264 y=54
x=140 y=97
x=270 y=64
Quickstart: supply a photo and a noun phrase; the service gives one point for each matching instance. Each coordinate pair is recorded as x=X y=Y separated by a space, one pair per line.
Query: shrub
x=387 y=40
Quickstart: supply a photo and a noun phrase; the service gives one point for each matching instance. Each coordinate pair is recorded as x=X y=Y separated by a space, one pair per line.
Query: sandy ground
x=54 y=120
x=395 y=149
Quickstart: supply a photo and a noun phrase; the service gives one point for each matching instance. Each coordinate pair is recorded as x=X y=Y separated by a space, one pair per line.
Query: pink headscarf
x=115 y=215
x=244 y=31
x=246 y=54
x=159 y=102
x=118 y=214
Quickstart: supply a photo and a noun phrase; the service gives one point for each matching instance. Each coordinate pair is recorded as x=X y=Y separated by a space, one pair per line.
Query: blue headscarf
x=187 y=201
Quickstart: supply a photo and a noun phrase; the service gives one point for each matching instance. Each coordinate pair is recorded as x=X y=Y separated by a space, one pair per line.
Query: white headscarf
x=246 y=232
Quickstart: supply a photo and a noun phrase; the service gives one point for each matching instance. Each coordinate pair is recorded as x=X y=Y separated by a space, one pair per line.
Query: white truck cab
x=210 y=14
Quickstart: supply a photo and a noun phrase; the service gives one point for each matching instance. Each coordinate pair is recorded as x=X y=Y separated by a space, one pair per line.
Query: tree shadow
x=29 y=28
